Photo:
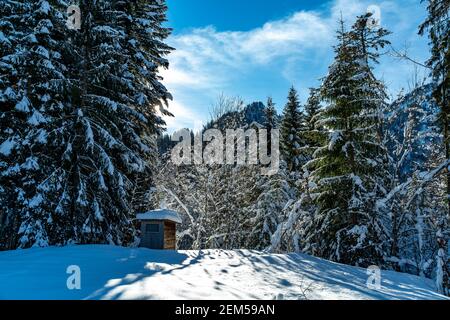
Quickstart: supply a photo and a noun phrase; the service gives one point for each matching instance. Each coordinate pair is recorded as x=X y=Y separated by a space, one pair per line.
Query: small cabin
x=158 y=229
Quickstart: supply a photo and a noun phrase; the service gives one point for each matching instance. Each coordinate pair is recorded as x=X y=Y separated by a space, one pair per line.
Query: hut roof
x=161 y=214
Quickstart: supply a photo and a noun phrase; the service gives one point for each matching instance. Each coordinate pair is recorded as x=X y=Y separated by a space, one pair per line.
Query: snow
x=10 y=94
x=23 y=105
x=41 y=137
x=3 y=39
x=162 y=214
x=36 y=201
x=98 y=212
x=36 y=118
x=7 y=146
x=89 y=134
x=334 y=137
x=30 y=164
x=42 y=51
x=109 y=272
x=45 y=8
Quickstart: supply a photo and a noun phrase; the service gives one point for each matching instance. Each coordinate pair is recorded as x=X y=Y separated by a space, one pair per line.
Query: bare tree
x=225 y=104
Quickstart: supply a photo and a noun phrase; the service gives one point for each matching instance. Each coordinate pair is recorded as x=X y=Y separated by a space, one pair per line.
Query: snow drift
x=109 y=272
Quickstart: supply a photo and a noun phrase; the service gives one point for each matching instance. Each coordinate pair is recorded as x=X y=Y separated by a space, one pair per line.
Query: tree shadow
x=337 y=277
x=150 y=263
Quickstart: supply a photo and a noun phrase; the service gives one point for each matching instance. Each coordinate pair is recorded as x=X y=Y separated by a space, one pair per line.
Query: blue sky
x=232 y=15
x=255 y=49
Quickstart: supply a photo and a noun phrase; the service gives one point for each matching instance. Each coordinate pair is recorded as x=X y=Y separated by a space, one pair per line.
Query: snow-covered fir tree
x=116 y=94
x=87 y=102
x=312 y=108
x=291 y=128
x=270 y=113
x=346 y=171
x=34 y=94
x=271 y=120
x=10 y=33
x=266 y=213
x=313 y=133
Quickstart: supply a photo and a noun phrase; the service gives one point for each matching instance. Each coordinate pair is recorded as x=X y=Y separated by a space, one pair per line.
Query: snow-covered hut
x=158 y=229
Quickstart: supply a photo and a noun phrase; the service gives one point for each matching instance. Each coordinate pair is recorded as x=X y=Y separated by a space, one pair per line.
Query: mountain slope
x=252 y=113
x=109 y=272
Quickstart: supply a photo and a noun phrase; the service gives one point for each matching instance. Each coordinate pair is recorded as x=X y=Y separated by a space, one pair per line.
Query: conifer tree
x=270 y=115
x=37 y=69
x=346 y=170
x=291 y=129
x=113 y=120
x=270 y=121
x=10 y=121
x=86 y=102
x=312 y=108
x=313 y=133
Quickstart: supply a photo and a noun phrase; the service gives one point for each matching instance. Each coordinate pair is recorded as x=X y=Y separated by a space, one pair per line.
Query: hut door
x=153 y=236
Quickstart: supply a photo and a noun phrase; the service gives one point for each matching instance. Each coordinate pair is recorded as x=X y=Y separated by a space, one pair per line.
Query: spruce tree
x=312 y=108
x=346 y=170
x=37 y=84
x=270 y=114
x=11 y=123
x=82 y=107
x=292 y=126
x=113 y=120
x=266 y=212
x=270 y=121
x=313 y=133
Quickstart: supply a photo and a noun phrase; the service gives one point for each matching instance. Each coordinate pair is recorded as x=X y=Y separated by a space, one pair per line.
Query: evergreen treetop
x=291 y=129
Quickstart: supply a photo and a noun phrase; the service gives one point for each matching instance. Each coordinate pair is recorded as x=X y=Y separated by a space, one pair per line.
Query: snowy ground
x=109 y=272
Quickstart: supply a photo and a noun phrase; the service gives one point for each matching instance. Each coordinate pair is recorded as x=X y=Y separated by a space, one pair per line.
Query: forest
x=363 y=179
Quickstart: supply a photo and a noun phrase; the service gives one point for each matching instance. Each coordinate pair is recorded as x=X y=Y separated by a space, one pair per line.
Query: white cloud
x=208 y=60
x=299 y=47
x=202 y=53
x=184 y=117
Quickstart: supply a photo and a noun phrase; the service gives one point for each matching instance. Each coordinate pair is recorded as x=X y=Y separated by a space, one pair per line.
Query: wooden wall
x=170 y=240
